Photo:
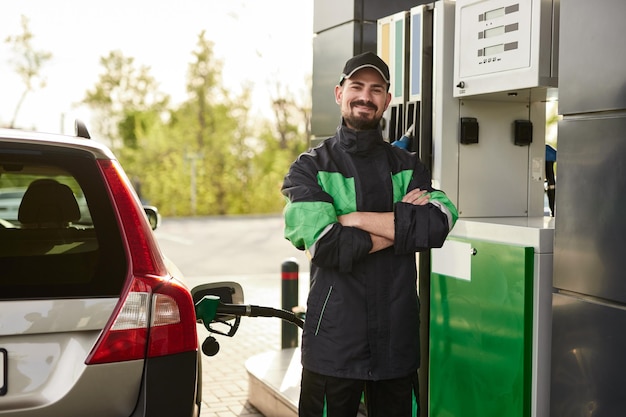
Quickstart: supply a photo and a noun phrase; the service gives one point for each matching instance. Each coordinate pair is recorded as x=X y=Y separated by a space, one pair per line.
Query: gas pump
x=487 y=69
x=392 y=45
x=404 y=41
x=491 y=317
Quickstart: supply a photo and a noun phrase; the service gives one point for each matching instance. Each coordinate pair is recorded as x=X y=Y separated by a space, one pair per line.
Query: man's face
x=363 y=98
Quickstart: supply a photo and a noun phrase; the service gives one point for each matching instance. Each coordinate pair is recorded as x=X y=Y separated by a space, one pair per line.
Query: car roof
x=99 y=150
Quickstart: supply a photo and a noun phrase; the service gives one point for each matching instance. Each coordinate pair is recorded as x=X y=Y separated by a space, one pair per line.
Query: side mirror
x=154 y=218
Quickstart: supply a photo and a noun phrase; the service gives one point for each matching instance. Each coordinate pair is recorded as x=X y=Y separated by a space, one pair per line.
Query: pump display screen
x=500 y=44
x=494 y=32
x=496 y=36
x=492 y=50
x=499 y=12
x=492 y=14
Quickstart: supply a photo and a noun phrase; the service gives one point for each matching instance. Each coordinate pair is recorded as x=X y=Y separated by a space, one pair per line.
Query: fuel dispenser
x=392 y=46
x=404 y=41
x=481 y=109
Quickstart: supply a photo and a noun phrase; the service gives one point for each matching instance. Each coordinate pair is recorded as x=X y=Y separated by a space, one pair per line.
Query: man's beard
x=358 y=122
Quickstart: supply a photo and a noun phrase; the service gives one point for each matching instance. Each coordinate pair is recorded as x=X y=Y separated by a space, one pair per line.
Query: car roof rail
x=81 y=129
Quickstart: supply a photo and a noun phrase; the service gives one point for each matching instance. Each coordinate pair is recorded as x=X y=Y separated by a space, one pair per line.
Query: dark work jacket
x=362 y=317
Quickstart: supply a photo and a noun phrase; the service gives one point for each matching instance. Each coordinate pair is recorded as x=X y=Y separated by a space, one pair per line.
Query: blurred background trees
x=205 y=156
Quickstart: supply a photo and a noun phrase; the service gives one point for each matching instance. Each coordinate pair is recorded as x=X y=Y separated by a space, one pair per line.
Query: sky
x=258 y=41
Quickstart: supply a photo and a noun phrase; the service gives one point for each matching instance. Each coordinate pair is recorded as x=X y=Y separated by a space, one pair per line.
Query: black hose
x=258 y=311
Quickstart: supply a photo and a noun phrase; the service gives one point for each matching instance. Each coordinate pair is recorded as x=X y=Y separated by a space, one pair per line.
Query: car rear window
x=59 y=236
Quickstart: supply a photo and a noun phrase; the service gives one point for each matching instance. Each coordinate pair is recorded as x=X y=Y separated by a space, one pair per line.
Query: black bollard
x=289 y=277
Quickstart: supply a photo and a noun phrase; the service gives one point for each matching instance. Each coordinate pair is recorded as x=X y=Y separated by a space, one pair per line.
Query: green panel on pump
x=481 y=335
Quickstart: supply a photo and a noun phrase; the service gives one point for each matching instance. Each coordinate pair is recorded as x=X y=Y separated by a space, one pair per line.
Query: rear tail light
x=155 y=315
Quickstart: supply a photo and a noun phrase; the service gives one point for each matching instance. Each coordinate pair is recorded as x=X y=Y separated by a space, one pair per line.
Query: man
x=362 y=209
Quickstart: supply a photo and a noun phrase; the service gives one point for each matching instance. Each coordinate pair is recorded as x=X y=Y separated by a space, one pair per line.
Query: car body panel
x=96 y=392
x=97 y=149
x=168 y=385
x=43 y=339
x=46 y=316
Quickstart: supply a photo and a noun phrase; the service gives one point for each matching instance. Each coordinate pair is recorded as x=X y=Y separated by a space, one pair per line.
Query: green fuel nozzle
x=206 y=309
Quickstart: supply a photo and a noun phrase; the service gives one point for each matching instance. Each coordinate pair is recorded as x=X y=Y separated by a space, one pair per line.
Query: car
x=94 y=319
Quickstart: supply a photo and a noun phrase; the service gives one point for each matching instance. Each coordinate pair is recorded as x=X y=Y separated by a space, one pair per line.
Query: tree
x=203 y=156
x=28 y=63
x=220 y=125
x=293 y=120
x=280 y=142
x=127 y=100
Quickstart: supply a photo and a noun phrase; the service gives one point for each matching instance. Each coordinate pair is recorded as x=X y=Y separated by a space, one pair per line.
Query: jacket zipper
x=319 y=322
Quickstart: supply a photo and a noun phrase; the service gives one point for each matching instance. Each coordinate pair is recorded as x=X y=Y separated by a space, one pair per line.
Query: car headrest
x=48 y=203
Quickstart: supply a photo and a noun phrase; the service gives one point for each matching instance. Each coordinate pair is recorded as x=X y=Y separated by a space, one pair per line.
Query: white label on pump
x=453 y=259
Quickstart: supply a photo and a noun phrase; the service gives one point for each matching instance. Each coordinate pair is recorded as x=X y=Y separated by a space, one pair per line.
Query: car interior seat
x=48 y=204
x=48 y=247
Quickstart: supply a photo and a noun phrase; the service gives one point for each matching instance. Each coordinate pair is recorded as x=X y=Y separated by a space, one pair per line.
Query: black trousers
x=328 y=396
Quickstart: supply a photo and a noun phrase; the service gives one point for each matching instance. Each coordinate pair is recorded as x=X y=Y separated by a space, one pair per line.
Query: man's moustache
x=365 y=104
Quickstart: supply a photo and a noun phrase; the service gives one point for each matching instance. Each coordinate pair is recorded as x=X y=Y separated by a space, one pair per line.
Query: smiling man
x=364 y=97
x=362 y=208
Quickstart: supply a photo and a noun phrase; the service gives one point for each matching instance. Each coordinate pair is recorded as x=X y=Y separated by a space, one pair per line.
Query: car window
x=59 y=235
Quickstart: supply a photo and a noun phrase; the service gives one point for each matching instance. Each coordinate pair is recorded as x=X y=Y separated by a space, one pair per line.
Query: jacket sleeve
x=311 y=221
x=419 y=228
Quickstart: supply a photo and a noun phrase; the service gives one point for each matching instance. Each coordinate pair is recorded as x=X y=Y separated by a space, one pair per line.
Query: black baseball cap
x=365 y=60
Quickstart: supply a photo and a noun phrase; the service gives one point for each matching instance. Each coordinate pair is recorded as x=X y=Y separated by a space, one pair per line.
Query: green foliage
x=272 y=165
x=125 y=97
x=202 y=157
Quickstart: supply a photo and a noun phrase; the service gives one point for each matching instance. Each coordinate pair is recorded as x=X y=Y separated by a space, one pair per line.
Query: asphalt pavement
x=250 y=251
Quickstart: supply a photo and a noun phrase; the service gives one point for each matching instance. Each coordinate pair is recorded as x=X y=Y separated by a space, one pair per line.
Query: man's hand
x=350 y=219
x=378 y=225
x=417 y=197
x=376 y=222
x=381 y=225
x=380 y=243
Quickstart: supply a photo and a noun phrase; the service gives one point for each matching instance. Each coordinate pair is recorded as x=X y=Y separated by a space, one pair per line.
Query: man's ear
x=339 y=94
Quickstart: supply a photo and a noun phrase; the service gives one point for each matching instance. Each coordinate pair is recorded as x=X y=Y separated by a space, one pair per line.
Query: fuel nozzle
x=206 y=309
x=405 y=141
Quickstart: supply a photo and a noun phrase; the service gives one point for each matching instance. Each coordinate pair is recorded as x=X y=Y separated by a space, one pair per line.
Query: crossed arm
x=381 y=226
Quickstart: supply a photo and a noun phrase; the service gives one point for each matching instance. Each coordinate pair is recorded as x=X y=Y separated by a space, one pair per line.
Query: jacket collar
x=359 y=141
